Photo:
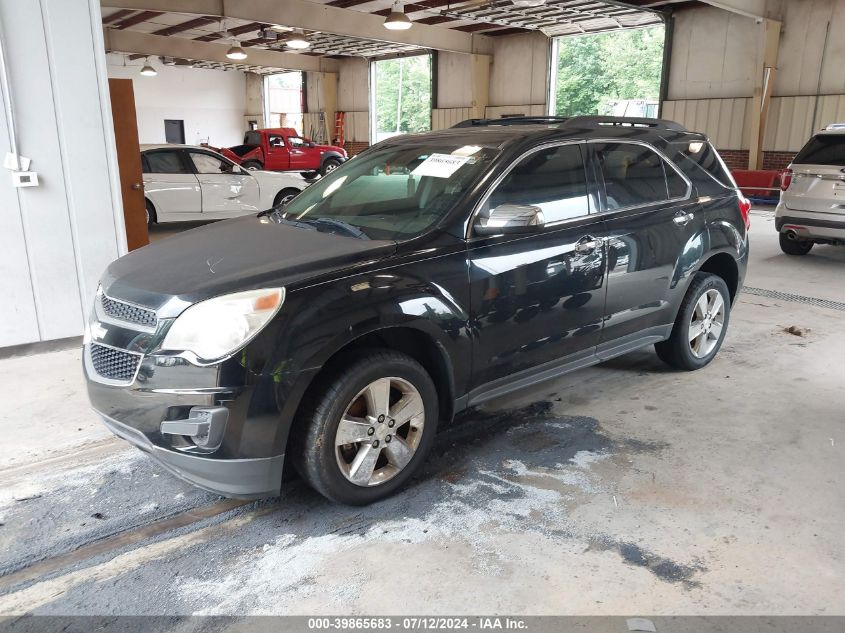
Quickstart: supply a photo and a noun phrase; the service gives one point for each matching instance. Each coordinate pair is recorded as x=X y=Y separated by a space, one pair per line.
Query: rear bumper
x=809 y=224
x=240 y=478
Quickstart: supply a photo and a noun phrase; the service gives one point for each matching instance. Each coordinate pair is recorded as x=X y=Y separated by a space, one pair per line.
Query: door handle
x=682 y=219
x=587 y=244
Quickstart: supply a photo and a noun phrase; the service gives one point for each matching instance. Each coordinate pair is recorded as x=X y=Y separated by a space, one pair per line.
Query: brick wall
x=353 y=148
x=735 y=158
x=738 y=159
x=777 y=160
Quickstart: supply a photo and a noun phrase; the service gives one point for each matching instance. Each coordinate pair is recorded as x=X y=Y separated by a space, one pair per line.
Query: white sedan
x=185 y=183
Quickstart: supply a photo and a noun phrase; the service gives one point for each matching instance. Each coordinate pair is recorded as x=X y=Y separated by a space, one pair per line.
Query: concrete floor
x=621 y=489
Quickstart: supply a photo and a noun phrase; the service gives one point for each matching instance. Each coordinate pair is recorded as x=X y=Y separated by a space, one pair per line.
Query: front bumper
x=239 y=478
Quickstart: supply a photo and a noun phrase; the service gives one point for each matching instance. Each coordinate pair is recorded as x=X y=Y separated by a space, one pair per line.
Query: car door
x=170 y=184
x=227 y=190
x=299 y=154
x=538 y=299
x=278 y=156
x=655 y=237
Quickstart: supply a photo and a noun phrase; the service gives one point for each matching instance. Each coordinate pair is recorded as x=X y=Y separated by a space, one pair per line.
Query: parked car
x=283 y=149
x=183 y=183
x=812 y=200
x=431 y=274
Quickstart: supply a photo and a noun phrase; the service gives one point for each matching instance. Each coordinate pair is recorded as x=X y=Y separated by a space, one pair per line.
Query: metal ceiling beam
x=318 y=17
x=123 y=41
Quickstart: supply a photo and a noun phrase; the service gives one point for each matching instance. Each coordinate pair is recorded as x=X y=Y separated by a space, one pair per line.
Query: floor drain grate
x=786 y=296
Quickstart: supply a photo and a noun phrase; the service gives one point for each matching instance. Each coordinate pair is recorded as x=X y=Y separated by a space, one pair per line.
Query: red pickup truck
x=282 y=149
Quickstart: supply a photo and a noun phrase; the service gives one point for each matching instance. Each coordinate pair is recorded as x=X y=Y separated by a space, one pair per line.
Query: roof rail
x=512 y=120
x=577 y=121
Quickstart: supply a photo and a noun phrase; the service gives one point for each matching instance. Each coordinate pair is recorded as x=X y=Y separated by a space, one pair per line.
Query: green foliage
x=409 y=97
x=595 y=69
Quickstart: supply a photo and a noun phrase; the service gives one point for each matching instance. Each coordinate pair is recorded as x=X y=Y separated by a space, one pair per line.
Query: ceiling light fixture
x=298 y=41
x=236 y=52
x=147 y=70
x=396 y=19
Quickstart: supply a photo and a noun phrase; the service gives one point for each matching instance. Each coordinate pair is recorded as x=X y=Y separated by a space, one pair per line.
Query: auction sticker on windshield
x=440 y=165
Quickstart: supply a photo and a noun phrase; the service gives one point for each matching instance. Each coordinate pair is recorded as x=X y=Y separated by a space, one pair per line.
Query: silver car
x=812 y=201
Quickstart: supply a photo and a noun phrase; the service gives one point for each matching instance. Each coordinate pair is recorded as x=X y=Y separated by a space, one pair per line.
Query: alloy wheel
x=379 y=432
x=706 y=323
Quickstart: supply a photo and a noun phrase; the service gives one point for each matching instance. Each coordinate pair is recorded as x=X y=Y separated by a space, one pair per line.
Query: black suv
x=427 y=275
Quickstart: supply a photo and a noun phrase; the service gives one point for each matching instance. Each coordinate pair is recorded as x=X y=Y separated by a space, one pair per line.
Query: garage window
x=166 y=162
x=401 y=96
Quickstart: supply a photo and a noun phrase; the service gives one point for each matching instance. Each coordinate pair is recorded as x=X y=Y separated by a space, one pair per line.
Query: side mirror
x=312 y=144
x=509 y=218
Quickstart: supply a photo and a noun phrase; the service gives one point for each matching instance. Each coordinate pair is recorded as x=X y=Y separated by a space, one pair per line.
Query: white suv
x=812 y=201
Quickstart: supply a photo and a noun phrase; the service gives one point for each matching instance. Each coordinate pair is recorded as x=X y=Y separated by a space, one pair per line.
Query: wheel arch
x=328 y=155
x=407 y=339
x=723 y=265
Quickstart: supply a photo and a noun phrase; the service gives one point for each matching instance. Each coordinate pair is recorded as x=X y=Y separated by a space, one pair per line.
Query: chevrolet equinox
x=427 y=275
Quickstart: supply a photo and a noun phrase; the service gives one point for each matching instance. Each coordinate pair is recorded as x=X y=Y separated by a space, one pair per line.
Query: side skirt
x=555 y=369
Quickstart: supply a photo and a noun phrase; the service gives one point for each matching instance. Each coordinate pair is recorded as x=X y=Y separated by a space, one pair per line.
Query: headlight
x=217 y=327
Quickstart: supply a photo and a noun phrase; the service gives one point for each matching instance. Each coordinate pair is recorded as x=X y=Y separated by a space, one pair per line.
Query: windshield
x=824 y=149
x=392 y=193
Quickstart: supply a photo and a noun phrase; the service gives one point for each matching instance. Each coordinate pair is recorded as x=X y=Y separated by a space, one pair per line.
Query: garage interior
x=622 y=489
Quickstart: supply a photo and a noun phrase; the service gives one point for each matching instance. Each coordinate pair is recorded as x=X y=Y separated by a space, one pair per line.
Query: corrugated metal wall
x=727 y=122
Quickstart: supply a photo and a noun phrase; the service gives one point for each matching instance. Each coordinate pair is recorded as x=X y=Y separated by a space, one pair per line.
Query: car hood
x=231 y=256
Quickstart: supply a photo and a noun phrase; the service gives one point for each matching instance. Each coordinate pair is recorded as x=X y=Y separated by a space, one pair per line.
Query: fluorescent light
x=236 y=52
x=396 y=19
x=298 y=41
x=147 y=70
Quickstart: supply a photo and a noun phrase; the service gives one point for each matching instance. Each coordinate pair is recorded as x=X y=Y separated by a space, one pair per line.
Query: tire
x=349 y=393
x=285 y=196
x=151 y=213
x=794 y=247
x=310 y=175
x=708 y=294
x=330 y=164
x=252 y=165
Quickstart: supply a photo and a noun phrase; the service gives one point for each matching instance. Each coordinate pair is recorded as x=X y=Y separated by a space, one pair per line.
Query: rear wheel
x=150 y=212
x=285 y=196
x=329 y=165
x=792 y=246
x=367 y=429
x=701 y=324
x=252 y=165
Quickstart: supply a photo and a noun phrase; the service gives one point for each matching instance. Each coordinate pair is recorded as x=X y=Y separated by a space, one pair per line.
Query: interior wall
x=353 y=98
x=519 y=72
x=58 y=237
x=212 y=103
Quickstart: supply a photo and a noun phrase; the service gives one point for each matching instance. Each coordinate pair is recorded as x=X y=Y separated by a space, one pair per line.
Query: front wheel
x=367 y=428
x=794 y=246
x=329 y=165
x=701 y=324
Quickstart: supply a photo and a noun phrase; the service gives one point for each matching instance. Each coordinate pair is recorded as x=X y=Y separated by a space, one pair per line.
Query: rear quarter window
x=824 y=149
x=700 y=162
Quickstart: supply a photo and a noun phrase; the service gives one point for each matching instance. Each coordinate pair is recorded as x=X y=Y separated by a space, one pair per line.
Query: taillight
x=785 y=179
x=745 y=210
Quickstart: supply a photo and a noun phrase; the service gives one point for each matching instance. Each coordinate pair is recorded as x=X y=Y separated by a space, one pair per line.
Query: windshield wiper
x=329 y=222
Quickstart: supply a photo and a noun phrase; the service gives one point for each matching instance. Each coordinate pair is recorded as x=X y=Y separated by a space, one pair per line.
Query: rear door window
x=635 y=175
x=824 y=149
x=166 y=162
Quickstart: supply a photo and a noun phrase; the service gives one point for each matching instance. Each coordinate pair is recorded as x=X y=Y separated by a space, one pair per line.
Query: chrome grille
x=128 y=312
x=114 y=364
